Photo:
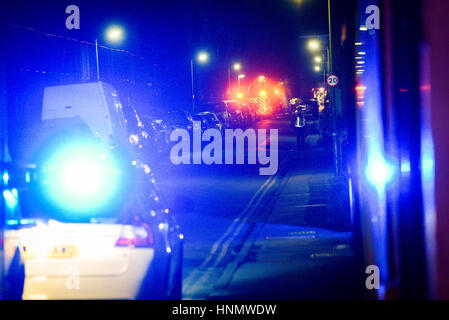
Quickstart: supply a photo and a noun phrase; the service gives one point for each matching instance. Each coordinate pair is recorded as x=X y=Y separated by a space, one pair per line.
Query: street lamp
x=314 y=45
x=237 y=67
x=318 y=59
x=202 y=57
x=113 y=34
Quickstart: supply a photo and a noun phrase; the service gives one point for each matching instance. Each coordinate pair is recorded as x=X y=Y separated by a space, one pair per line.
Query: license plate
x=64 y=251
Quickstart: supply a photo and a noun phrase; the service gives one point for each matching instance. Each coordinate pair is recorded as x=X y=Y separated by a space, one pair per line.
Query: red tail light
x=136 y=236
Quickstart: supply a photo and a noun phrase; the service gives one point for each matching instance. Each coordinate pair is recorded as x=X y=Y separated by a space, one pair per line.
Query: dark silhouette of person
x=299 y=123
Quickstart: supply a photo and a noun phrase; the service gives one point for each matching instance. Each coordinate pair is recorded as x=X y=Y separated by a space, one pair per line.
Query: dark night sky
x=261 y=34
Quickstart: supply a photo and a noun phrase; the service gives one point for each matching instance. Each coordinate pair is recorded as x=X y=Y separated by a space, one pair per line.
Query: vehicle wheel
x=175 y=288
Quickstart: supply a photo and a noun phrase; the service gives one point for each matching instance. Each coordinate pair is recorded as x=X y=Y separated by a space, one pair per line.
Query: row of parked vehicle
x=92 y=223
x=155 y=129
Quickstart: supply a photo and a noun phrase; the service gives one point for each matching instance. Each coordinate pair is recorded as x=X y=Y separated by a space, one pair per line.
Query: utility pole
x=335 y=138
x=229 y=81
x=193 y=88
x=96 y=55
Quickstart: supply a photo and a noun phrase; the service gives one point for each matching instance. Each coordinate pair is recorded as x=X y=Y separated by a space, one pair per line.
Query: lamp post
x=113 y=34
x=240 y=76
x=335 y=138
x=330 y=36
x=96 y=57
x=237 y=67
x=202 y=57
x=313 y=45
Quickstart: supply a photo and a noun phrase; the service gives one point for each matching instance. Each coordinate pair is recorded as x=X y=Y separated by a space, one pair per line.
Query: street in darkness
x=224 y=151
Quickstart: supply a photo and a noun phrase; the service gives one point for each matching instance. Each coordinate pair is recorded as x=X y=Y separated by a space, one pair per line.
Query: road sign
x=332 y=80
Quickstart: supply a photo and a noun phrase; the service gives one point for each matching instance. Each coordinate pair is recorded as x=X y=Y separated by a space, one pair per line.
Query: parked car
x=102 y=229
x=237 y=115
x=159 y=134
x=178 y=120
x=220 y=109
x=213 y=121
x=199 y=121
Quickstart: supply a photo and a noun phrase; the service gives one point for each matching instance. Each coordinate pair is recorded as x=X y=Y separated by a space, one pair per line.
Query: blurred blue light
x=80 y=178
x=11 y=198
x=428 y=164
x=5 y=178
x=378 y=172
x=405 y=166
x=27 y=177
x=12 y=222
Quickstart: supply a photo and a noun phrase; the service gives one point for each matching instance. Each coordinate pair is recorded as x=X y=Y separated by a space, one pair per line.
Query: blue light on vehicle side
x=374 y=167
x=378 y=172
x=428 y=166
x=405 y=166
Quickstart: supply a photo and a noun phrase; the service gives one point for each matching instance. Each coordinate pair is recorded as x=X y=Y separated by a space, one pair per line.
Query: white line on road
x=239 y=228
x=191 y=282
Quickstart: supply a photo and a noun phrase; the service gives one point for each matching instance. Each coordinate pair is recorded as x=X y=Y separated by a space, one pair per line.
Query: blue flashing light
x=5 y=178
x=80 y=178
x=11 y=198
x=12 y=222
x=27 y=177
x=16 y=222
x=428 y=165
x=378 y=173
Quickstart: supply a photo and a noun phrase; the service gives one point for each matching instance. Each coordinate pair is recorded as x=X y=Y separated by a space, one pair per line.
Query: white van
x=95 y=104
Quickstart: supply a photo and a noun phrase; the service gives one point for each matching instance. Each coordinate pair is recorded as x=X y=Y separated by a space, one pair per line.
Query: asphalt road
x=285 y=236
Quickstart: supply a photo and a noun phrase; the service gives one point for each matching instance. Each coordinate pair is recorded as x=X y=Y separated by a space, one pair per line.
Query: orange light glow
x=360 y=92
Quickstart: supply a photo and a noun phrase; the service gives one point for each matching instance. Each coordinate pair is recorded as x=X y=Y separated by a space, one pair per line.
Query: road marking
x=305 y=206
x=199 y=277
x=190 y=284
x=237 y=231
